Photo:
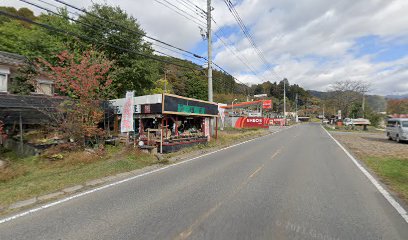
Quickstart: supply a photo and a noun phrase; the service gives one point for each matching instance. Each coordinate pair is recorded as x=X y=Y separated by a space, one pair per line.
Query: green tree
x=161 y=86
x=196 y=87
x=131 y=70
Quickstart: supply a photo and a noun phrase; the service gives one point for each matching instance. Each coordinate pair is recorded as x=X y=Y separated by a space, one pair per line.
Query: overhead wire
x=250 y=38
x=176 y=10
x=70 y=33
x=126 y=28
x=87 y=12
x=66 y=32
x=87 y=25
x=193 y=8
x=175 y=50
x=181 y=12
x=235 y=53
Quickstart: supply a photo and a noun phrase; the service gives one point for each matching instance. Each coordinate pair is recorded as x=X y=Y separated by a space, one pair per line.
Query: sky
x=312 y=43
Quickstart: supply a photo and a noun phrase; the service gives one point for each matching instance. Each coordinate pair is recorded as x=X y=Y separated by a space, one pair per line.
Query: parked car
x=356 y=121
x=397 y=129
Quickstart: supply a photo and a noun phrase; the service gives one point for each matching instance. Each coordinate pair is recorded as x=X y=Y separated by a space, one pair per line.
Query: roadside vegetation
x=357 y=129
x=393 y=171
x=387 y=159
x=28 y=177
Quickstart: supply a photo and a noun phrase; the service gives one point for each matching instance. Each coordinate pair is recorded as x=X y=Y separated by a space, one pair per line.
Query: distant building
x=10 y=65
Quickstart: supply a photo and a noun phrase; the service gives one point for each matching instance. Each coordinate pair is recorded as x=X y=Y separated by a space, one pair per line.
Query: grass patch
x=226 y=137
x=33 y=176
x=392 y=171
x=315 y=120
x=370 y=129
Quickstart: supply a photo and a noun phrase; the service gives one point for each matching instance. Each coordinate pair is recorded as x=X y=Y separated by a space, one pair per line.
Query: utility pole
x=209 y=38
x=296 y=108
x=210 y=85
x=165 y=81
x=363 y=105
x=284 y=99
x=323 y=112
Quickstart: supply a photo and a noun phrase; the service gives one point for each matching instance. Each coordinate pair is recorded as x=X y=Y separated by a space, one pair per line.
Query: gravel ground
x=372 y=144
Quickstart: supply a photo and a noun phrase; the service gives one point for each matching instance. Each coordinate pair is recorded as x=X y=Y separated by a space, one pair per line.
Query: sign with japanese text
x=127 y=114
x=252 y=122
x=267 y=104
x=173 y=104
x=277 y=121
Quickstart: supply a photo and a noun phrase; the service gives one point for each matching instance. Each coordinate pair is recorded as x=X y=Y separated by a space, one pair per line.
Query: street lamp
x=233 y=105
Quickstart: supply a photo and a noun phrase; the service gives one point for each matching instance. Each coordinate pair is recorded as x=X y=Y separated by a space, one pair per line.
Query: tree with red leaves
x=85 y=81
x=397 y=106
x=2 y=132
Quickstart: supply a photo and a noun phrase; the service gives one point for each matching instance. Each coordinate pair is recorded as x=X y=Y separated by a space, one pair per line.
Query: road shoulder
x=399 y=204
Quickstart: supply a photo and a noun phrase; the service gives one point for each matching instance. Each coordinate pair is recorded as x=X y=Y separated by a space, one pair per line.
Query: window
x=404 y=124
x=45 y=87
x=3 y=82
x=391 y=123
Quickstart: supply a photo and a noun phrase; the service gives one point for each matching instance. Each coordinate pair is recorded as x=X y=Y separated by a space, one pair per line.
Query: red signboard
x=267 y=104
x=276 y=121
x=251 y=122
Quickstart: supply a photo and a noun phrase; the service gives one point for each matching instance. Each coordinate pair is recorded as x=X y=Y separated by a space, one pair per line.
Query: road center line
x=380 y=188
x=276 y=153
x=7 y=219
x=186 y=233
x=256 y=171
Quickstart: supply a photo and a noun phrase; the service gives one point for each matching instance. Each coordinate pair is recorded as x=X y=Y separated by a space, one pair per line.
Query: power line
x=250 y=38
x=207 y=59
x=199 y=12
x=111 y=45
x=87 y=25
x=54 y=29
x=126 y=28
x=181 y=12
x=91 y=27
x=72 y=6
x=237 y=56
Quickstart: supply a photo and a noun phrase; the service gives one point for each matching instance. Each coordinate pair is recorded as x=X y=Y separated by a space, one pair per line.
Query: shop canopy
x=169 y=104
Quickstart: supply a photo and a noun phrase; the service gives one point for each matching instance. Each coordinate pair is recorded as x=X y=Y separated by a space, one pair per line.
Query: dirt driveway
x=372 y=144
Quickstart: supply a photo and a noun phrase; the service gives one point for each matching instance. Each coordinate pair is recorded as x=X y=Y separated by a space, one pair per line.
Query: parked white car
x=397 y=129
x=356 y=121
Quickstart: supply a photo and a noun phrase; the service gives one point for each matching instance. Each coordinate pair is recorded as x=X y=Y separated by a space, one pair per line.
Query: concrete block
x=24 y=203
x=108 y=178
x=50 y=196
x=72 y=189
x=122 y=175
x=94 y=182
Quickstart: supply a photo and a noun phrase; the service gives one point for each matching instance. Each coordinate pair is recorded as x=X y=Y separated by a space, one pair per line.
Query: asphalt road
x=295 y=184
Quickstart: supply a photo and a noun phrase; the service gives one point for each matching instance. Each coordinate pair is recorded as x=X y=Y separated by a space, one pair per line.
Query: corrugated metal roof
x=33 y=109
x=28 y=101
x=12 y=58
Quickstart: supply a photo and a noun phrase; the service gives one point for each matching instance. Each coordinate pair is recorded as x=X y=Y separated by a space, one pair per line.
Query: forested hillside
x=375 y=102
x=136 y=64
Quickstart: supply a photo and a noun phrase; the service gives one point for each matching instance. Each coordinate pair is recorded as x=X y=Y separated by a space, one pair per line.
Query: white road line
x=124 y=180
x=384 y=192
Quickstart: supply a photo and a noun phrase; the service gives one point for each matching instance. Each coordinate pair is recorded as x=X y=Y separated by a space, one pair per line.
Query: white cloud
x=310 y=42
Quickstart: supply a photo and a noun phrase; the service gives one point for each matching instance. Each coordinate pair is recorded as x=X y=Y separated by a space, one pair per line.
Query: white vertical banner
x=221 y=113
x=127 y=114
x=207 y=128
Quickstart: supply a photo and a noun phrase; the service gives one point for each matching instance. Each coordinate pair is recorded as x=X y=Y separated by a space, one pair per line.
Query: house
x=10 y=65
